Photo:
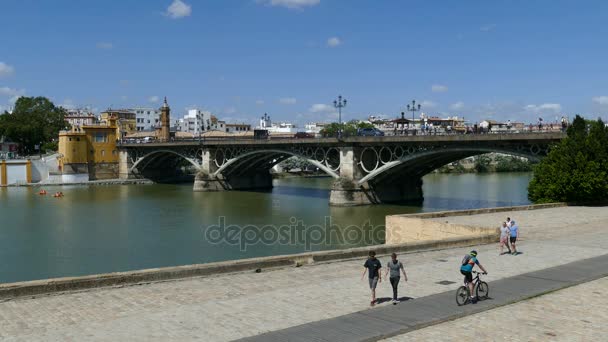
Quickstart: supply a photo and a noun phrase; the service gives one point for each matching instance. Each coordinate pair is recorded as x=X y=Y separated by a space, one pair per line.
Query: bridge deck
x=514 y=137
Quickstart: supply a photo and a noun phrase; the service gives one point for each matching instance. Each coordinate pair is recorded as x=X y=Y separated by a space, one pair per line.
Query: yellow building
x=90 y=149
x=126 y=122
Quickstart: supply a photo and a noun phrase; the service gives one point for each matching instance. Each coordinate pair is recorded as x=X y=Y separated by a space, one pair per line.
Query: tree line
x=34 y=122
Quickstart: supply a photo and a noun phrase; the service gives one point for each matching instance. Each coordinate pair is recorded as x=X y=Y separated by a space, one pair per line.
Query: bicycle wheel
x=462 y=295
x=483 y=290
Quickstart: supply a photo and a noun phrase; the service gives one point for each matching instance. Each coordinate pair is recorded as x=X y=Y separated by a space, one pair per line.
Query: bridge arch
x=424 y=162
x=148 y=158
x=268 y=158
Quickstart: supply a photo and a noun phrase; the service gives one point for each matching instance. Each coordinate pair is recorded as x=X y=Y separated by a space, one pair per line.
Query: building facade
x=146 y=119
x=80 y=117
x=237 y=128
x=90 y=150
x=125 y=121
x=282 y=127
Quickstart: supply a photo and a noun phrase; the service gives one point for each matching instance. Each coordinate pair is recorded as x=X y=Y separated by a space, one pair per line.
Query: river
x=100 y=229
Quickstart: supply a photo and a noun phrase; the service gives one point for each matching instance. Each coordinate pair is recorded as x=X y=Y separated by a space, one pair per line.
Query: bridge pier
x=349 y=191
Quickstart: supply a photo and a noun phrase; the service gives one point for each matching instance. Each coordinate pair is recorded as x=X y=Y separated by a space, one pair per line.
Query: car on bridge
x=370 y=132
x=303 y=135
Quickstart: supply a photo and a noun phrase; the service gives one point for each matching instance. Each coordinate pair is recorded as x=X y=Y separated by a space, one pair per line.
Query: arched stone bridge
x=366 y=170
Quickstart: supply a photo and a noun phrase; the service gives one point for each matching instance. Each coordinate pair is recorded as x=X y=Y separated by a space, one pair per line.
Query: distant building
x=125 y=121
x=314 y=128
x=282 y=127
x=80 y=117
x=235 y=128
x=146 y=119
x=89 y=152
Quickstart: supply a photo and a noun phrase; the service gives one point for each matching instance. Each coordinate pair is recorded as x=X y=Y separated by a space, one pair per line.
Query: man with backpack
x=466 y=268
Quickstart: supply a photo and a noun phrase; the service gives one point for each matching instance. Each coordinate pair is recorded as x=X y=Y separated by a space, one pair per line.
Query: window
x=100 y=137
x=103 y=153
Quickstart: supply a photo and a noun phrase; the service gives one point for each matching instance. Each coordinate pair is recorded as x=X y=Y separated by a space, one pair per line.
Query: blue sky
x=513 y=59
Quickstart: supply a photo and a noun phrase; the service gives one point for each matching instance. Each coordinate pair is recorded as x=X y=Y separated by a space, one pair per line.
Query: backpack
x=465 y=260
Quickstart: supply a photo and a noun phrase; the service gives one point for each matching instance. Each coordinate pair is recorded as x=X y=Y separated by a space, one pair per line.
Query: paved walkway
x=232 y=306
x=410 y=315
x=578 y=313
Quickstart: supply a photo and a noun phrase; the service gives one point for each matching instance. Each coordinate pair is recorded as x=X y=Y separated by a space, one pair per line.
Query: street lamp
x=340 y=103
x=413 y=108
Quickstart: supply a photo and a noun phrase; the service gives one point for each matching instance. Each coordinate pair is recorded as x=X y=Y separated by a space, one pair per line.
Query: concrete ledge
x=485 y=210
x=421 y=227
x=49 y=286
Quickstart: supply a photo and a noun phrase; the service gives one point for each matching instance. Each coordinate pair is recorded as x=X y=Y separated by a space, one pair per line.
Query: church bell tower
x=165 y=122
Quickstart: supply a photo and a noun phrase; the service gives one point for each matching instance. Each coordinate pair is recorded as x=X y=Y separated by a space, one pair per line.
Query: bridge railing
x=398 y=133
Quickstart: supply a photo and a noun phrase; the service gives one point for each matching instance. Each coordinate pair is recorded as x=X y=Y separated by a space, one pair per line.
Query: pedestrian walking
x=514 y=235
x=504 y=237
x=372 y=266
x=394 y=266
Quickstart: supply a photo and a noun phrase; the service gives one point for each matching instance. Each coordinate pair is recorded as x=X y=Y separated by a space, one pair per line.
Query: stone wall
x=426 y=226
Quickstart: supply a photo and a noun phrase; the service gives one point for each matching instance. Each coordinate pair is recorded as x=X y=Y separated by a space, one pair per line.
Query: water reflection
x=118 y=228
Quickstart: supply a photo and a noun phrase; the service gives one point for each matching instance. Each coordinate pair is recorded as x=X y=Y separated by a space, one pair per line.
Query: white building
x=80 y=117
x=237 y=128
x=314 y=127
x=282 y=127
x=195 y=121
x=146 y=119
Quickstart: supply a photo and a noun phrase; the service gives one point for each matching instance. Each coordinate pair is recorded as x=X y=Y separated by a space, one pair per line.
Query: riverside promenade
x=231 y=306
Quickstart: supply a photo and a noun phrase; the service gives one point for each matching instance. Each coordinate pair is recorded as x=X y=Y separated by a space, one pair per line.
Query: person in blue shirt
x=466 y=269
x=514 y=235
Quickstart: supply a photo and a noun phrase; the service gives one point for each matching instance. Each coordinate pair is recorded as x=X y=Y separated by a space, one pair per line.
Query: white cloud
x=545 y=107
x=124 y=83
x=124 y=97
x=292 y=4
x=426 y=104
x=6 y=70
x=287 y=100
x=68 y=104
x=153 y=99
x=178 y=9
x=333 y=42
x=322 y=108
x=259 y=102
x=487 y=28
x=229 y=110
x=457 y=106
x=438 y=88
x=13 y=94
x=602 y=100
x=104 y=45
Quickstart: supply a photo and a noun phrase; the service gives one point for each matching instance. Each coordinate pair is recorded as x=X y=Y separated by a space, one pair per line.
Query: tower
x=165 y=122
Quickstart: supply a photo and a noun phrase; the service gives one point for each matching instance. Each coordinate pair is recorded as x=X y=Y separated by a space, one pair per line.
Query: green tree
x=34 y=121
x=348 y=128
x=576 y=169
x=294 y=163
x=482 y=163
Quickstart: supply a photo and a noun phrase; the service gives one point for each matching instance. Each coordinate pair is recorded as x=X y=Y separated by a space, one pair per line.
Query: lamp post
x=413 y=108
x=340 y=103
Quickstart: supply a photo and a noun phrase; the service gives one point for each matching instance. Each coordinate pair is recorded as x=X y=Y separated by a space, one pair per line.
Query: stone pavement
x=410 y=315
x=230 y=306
x=578 y=313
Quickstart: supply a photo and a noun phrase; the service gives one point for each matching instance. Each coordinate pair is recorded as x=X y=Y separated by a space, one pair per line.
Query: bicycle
x=482 y=290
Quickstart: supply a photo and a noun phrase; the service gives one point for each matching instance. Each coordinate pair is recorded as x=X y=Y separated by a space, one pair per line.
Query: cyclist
x=468 y=262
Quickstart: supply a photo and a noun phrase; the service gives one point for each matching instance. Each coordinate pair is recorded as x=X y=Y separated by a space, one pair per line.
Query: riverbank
x=93 y=182
x=230 y=306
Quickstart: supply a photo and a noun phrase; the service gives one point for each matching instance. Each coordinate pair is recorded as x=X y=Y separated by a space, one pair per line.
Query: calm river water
x=101 y=229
